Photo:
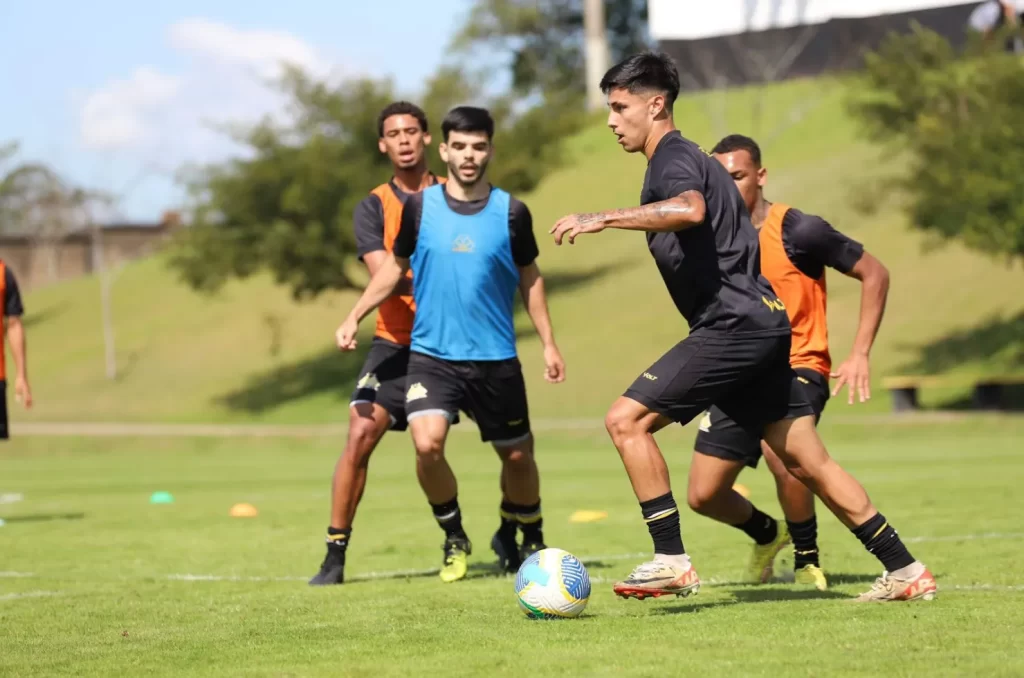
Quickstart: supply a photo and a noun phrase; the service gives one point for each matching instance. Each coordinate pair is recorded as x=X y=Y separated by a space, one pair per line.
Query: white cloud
x=119 y=113
x=167 y=116
x=262 y=51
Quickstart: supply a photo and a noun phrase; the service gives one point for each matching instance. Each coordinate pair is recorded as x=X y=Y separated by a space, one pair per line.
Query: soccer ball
x=552 y=584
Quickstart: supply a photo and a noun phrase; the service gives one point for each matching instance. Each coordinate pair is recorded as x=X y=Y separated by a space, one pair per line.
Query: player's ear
x=381 y=147
x=762 y=177
x=656 y=105
x=442 y=148
x=426 y=138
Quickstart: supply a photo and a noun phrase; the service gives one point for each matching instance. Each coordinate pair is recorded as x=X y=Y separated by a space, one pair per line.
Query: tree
x=544 y=40
x=957 y=120
x=286 y=206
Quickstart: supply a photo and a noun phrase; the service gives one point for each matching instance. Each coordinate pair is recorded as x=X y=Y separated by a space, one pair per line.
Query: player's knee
x=621 y=423
x=701 y=497
x=363 y=437
x=429 y=449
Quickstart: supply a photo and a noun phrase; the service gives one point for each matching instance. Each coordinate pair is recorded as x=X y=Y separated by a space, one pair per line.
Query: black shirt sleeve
x=677 y=173
x=409 y=228
x=811 y=244
x=12 y=295
x=368 y=224
x=520 y=226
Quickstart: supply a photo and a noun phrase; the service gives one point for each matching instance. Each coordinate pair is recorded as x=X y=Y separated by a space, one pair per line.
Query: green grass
x=251 y=353
x=105 y=596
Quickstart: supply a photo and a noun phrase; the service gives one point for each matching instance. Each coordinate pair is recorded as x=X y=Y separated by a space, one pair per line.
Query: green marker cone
x=161 y=498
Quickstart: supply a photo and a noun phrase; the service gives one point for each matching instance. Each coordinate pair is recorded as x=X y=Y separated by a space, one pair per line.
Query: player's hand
x=855 y=372
x=575 y=224
x=22 y=392
x=346 y=334
x=554 y=366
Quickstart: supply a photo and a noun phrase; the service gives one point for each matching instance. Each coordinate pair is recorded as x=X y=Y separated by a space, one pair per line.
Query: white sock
x=681 y=561
x=909 y=572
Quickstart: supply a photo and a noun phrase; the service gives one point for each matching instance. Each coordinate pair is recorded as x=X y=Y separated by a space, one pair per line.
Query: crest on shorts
x=415 y=392
x=705 y=422
x=368 y=381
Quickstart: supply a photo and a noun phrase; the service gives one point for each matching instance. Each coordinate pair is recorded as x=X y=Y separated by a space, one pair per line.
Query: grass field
x=252 y=354
x=94 y=580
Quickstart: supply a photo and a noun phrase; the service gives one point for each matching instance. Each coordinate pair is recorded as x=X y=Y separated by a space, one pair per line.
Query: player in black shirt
x=15 y=331
x=736 y=356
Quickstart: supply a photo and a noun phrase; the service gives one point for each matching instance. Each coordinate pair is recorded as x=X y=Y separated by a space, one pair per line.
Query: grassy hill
x=252 y=353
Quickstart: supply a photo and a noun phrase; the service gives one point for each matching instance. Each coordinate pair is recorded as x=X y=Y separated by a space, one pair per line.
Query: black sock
x=760 y=527
x=339 y=537
x=662 y=517
x=509 y=522
x=449 y=517
x=805 y=542
x=879 y=537
x=531 y=522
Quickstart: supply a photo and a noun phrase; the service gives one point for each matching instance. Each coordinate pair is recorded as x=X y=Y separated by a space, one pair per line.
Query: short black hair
x=401 y=108
x=468 y=119
x=644 y=72
x=738 y=142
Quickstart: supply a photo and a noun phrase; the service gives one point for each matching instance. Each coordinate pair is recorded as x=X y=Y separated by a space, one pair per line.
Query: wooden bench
x=987 y=391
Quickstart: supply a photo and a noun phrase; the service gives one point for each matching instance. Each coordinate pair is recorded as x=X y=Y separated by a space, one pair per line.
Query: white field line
x=111 y=429
x=398 y=574
x=28 y=594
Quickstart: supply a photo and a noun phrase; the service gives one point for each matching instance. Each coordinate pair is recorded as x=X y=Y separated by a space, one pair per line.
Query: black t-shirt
x=520 y=225
x=812 y=244
x=368 y=220
x=712 y=271
x=12 y=295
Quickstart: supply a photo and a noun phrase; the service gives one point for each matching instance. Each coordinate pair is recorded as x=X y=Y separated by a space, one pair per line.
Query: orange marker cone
x=244 y=511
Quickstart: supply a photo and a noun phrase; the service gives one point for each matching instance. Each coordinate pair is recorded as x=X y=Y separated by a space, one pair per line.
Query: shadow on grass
x=333 y=372
x=996 y=336
x=43 y=518
x=993 y=336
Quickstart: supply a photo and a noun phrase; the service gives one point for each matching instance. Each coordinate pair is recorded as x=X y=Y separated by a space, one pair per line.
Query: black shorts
x=720 y=436
x=4 y=431
x=491 y=393
x=382 y=380
x=747 y=377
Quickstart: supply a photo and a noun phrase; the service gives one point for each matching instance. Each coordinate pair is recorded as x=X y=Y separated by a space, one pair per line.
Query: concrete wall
x=39 y=263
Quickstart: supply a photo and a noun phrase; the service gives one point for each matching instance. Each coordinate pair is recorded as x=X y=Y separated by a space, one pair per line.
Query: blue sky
x=118 y=95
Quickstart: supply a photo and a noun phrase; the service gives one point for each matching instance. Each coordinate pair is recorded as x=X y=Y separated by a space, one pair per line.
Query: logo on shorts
x=369 y=381
x=515 y=422
x=415 y=392
x=651 y=377
x=463 y=243
x=705 y=423
x=802 y=380
x=773 y=304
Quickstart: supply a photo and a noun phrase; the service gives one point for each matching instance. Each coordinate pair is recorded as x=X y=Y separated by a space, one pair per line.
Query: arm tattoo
x=674 y=214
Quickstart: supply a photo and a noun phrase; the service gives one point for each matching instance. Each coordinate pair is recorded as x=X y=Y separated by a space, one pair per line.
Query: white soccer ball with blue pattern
x=552 y=584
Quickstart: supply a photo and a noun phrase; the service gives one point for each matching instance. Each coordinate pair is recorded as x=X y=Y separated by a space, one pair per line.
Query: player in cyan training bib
x=378 y=402
x=470 y=247
x=736 y=356
x=795 y=250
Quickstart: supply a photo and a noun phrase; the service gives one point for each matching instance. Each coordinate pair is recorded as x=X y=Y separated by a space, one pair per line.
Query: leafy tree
x=544 y=39
x=286 y=206
x=957 y=118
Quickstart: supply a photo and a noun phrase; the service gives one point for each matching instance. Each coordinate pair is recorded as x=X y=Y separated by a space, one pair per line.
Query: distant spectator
x=10 y=323
x=993 y=16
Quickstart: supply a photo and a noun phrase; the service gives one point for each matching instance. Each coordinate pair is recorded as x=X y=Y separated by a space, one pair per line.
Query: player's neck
x=760 y=212
x=413 y=179
x=658 y=131
x=477 y=191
